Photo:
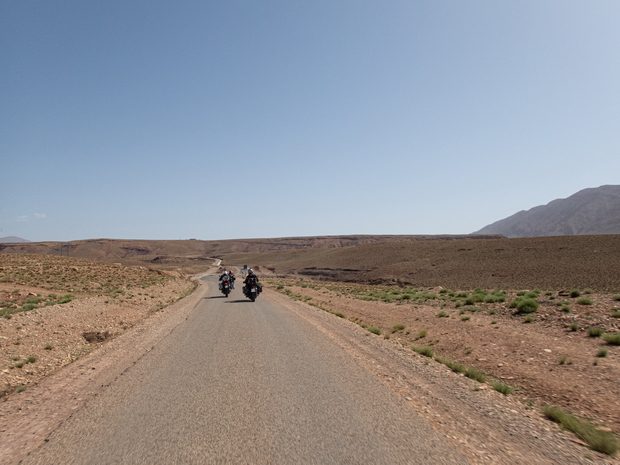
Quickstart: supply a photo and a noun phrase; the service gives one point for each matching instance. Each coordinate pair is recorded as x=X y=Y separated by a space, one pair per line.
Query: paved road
x=243 y=382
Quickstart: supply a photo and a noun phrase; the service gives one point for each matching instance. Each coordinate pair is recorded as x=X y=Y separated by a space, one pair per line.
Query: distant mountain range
x=12 y=239
x=589 y=211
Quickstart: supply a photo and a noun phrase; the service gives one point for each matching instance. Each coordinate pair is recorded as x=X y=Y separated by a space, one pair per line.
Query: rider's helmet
x=225 y=272
x=250 y=271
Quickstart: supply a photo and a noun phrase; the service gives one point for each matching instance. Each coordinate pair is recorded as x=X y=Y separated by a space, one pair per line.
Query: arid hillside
x=589 y=211
x=561 y=262
x=463 y=262
x=195 y=254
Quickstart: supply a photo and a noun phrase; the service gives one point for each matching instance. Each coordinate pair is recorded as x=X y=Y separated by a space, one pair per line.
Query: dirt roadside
x=552 y=359
x=485 y=425
x=28 y=417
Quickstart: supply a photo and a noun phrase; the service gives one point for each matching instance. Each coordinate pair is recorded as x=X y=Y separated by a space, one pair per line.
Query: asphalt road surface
x=250 y=383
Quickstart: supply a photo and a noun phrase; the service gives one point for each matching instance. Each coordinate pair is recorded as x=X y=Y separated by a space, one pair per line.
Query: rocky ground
x=55 y=310
x=545 y=357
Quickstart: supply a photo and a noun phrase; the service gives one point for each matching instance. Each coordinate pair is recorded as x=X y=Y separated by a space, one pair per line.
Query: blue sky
x=241 y=119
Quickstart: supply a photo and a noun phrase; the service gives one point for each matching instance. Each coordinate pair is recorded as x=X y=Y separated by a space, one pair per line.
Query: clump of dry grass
x=423 y=350
x=600 y=440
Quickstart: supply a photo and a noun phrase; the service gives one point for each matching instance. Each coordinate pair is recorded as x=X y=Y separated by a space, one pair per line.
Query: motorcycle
x=225 y=288
x=251 y=291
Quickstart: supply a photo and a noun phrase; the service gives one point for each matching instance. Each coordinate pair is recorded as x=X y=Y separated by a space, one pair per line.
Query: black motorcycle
x=225 y=288
x=251 y=291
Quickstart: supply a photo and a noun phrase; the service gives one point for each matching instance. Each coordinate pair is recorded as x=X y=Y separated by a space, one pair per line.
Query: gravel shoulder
x=484 y=424
x=54 y=394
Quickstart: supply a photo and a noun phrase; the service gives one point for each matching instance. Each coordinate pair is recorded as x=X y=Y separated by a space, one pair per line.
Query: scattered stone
x=95 y=336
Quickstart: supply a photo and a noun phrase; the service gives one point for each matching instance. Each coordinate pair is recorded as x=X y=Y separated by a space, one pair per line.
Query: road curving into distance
x=246 y=382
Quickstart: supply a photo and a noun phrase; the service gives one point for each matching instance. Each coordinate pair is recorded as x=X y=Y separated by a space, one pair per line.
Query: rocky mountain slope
x=589 y=211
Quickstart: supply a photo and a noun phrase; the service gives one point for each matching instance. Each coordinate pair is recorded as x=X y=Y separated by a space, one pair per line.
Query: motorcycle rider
x=232 y=277
x=224 y=278
x=251 y=279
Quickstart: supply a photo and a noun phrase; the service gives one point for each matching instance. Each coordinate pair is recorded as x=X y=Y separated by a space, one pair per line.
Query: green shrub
x=574 y=326
x=424 y=350
x=615 y=313
x=443 y=314
x=501 y=387
x=66 y=298
x=575 y=293
x=397 y=327
x=584 y=301
x=593 y=331
x=471 y=300
x=28 y=307
x=616 y=297
x=475 y=374
x=478 y=296
x=602 y=353
x=524 y=305
x=454 y=366
x=374 y=330
x=493 y=298
x=612 y=338
x=601 y=441
x=428 y=295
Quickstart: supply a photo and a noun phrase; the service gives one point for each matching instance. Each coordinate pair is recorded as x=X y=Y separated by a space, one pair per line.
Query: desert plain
x=451 y=303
